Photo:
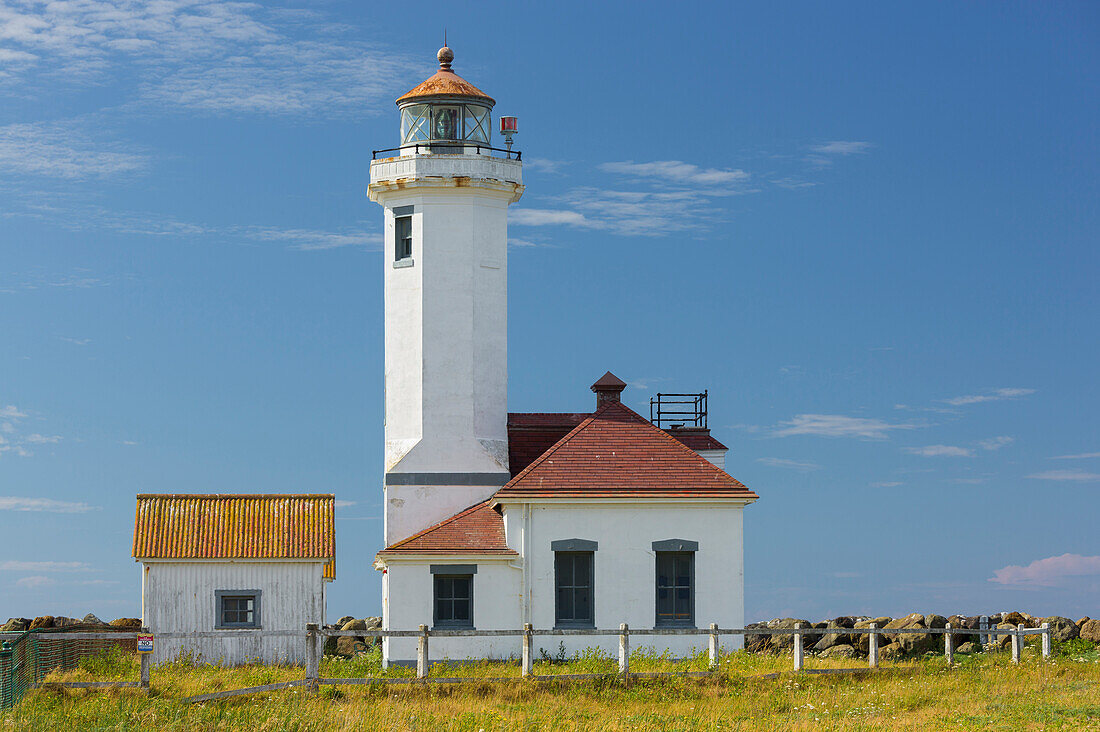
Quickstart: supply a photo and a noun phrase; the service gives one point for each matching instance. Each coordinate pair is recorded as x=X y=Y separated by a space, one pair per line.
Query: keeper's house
x=219 y=563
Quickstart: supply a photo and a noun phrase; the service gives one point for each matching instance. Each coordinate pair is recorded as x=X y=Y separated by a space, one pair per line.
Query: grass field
x=983 y=691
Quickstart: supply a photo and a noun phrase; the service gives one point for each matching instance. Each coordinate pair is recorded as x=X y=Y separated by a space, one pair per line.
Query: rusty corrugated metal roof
x=236 y=526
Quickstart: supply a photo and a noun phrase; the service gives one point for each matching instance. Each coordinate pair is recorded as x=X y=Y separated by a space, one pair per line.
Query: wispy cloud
x=11 y=412
x=837 y=425
x=843 y=147
x=517 y=243
x=801 y=466
x=941 y=451
x=307 y=240
x=1078 y=456
x=344 y=504
x=993 y=396
x=34 y=581
x=544 y=165
x=48 y=505
x=64 y=150
x=76 y=341
x=1049 y=572
x=1079 y=476
x=968 y=481
x=887 y=484
x=677 y=171
x=996 y=443
x=203 y=55
x=548 y=217
x=12 y=565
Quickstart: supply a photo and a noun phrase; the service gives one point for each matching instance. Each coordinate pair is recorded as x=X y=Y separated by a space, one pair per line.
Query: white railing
x=314 y=635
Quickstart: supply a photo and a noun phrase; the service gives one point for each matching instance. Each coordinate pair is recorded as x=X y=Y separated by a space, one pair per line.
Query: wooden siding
x=178 y=597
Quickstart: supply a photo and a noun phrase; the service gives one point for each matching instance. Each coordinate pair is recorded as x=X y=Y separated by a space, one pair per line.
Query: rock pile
x=901 y=645
x=352 y=645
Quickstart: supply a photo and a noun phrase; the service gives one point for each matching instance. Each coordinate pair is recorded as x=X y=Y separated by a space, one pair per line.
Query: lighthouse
x=445 y=192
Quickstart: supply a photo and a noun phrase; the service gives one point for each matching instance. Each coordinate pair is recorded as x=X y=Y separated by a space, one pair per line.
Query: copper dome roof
x=446 y=82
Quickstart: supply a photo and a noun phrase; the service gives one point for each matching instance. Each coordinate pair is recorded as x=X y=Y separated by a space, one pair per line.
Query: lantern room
x=444 y=110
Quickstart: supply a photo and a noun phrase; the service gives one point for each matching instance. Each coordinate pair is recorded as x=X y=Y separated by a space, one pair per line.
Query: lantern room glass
x=445 y=122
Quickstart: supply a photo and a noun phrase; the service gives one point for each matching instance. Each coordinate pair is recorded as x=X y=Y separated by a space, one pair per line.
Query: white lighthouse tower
x=446 y=196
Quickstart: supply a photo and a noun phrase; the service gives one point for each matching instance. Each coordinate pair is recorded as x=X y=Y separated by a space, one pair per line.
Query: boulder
x=1083 y=620
x=828 y=640
x=756 y=643
x=42 y=621
x=91 y=619
x=784 y=643
x=344 y=620
x=892 y=652
x=863 y=640
x=969 y=647
x=909 y=620
x=15 y=625
x=354 y=625
x=914 y=643
x=373 y=623
x=1061 y=629
x=959 y=621
x=61 y=621
x=1090 y=630
x=1004 y=641
x=329 y=648
x=1013 y=618
x=348 y=646
x=935 y=621
x=125 y=623
x=842 y=650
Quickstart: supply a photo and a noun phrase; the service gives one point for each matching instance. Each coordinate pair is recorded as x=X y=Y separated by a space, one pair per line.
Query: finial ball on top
x=445 y=56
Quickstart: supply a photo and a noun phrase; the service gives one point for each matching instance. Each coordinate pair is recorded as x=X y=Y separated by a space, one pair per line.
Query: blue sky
x=868 y=229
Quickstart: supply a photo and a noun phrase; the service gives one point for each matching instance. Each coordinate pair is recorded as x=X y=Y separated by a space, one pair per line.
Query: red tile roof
x=477 y=530
x=618 y=453
x=530 y=434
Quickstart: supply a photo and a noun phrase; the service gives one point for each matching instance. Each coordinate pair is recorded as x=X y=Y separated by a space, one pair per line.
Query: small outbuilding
x=214 y=562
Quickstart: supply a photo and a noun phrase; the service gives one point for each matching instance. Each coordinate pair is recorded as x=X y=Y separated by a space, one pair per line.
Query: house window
x=573 y=582
x=675 y=588
x=237 y=608
x=403 y=237
x=454 y=595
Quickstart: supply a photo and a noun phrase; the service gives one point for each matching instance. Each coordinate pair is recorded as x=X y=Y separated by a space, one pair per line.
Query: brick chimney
x=608 y=389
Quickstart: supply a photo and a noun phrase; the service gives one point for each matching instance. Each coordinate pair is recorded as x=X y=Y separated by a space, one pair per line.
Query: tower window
x=403 y=231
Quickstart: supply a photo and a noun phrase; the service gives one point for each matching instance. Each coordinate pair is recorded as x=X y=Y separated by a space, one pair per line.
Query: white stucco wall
x=624 y=584
x=179 y=597
x=407 y=597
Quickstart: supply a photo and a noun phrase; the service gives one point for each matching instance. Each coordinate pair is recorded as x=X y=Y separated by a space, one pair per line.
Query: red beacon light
x=508 y=127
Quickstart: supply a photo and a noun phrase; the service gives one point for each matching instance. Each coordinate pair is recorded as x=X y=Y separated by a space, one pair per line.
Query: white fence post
x=798 y=652
x=312 y=665
x=624 y=651
x=712 y=649
x=1017 y=644
x=983 y=624
x=948 y=645
x=528 y=661
x=872 y=647
x=422 y=653
x=1046 y=640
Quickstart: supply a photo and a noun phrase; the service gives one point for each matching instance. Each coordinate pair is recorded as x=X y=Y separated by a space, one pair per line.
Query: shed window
x=237 y=608
x=403 y=237
x=676 y=588
x=573 y=582
x=454 y=602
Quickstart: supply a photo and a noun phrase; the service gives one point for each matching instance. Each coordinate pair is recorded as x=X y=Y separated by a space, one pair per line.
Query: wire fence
x=26 y=659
